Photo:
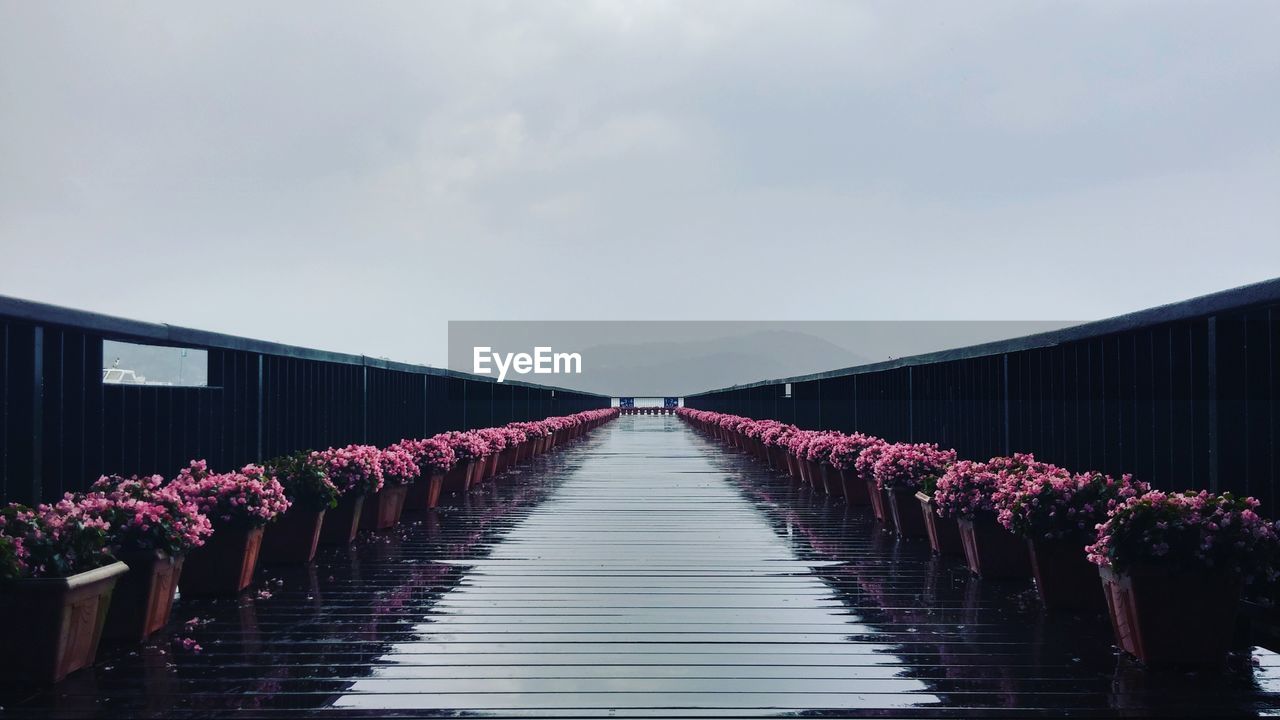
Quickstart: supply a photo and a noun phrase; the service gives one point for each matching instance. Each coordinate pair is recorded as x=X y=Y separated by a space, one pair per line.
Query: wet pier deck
x=642 y=571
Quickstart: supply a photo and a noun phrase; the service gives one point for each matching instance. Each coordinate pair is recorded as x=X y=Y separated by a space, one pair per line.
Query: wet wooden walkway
x=642 y=571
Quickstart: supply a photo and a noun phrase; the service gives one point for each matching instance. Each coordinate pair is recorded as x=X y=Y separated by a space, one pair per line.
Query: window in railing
x=153 y=365
x=786 y=390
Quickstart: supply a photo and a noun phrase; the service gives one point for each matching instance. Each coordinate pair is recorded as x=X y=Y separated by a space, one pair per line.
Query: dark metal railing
x=1183 y=395
x=61 y=426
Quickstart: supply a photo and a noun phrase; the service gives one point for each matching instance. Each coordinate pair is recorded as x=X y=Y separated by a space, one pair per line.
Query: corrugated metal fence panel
x=1186 y=403
x=61 y=426
x=1247 y=421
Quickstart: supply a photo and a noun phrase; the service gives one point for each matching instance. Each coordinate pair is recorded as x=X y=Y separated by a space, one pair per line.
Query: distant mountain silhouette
x=680 y=368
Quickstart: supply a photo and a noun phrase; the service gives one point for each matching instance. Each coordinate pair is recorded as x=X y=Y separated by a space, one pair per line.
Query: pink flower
x=247 y=498
x=908 y=466
x=354 y=469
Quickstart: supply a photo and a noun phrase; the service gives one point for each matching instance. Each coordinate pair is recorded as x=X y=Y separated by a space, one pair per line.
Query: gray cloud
x=352 y=176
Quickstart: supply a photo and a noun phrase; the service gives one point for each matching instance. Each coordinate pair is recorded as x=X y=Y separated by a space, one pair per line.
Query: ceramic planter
x=904 y=509
x=855 y=490
x=52 y=626
x=424 y=493
x=143 y=598
x=831 y=481
x=944 y=533
x=341 y=522
x=1164 y=618
x=1065 y=579
x=293 y=537
x=992 y=552
x=224 y=565
x=382 y=509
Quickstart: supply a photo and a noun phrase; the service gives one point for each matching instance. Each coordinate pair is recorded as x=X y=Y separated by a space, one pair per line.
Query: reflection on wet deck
x=643 y=571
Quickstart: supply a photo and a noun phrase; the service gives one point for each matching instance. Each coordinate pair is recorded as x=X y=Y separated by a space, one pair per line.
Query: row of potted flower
x=108 y=562
x=1151 y=559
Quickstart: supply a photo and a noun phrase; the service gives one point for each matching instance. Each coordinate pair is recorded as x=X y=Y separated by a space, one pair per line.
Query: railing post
x=364 y=404
x=911 y=404
x=261 y=392
x=37 y=414
x=1211 y=369
x=1008 y=445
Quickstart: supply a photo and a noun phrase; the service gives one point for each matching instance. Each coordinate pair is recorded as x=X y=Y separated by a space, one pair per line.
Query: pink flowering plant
x=865 y=464
x=798 y=442
x=820 y=446
x=398 y=465
x=354 y=469
x=1188 y=531
x=515 y=435
x=1049 y=503
x=56 y=540
x=432 y=455
x=965 y=490
x=768 y=431
x=12 y=558
x=495 y=438
x=305 y=480
x=532 y=429
x=467 y=445
x=245 y=498
x=146 y=513
x=847 y=448
x=970 y=490
x=910 y=466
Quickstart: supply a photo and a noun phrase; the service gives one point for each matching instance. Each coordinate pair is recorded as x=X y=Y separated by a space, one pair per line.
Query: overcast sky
x=351 y=176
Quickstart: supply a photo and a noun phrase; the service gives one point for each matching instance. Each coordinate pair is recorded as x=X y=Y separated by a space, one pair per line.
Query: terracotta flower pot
x=143 y=598
x=1065 y=579
x=855 y=490
x=815 y=474
x=776 y=459
x=341 y=522
x=293 y=537
x=455 y=481
x=225 y=564
x=904 y=509
x=52 y=626
x=879 y=504
x=491 y=467
x=831 y=481
x=793 y=466
x=992 y=552
x=803 y=466
x=1164 y=617
x=382 y=509
x=424 y=493
x=944 y=533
